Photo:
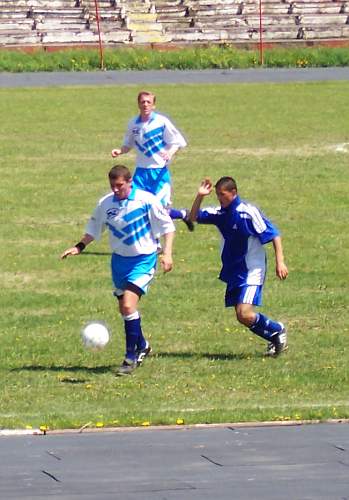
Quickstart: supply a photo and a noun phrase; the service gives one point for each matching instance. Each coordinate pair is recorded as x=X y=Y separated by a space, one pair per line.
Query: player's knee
x=127 y=309
x=245 y=316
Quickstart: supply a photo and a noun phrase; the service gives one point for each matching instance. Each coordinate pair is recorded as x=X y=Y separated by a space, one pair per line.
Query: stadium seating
x=45 y=23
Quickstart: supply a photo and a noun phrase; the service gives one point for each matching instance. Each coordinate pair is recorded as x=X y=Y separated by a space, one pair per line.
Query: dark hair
x=119 y=171
x=226 y=183
x=145 y=92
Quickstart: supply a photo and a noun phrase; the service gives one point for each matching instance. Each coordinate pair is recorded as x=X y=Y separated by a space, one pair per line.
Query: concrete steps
x=141 y=20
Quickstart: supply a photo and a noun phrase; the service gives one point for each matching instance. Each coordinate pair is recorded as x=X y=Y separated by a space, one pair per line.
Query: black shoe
x=279 y=343
x=270 y=349
x=127 y=367
x=143 y=353
x=188 y=222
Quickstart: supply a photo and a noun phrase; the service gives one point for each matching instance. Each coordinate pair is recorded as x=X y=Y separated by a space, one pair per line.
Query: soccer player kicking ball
x=244 y=230
x=135 y=220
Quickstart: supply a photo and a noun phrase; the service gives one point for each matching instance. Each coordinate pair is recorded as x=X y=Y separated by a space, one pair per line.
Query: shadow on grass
x=212 y=356
x=74 y=369
x=159 y=354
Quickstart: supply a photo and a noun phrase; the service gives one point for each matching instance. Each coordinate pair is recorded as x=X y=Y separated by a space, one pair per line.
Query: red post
x=261 y=59
x=99 y=36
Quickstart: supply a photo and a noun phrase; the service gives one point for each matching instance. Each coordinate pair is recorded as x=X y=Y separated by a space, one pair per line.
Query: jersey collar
x=131 y=196
x=236 y=201
x=151 y=118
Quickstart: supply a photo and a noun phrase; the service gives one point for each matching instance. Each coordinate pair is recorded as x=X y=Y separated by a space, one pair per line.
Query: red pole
x=99 y=36
x=261 y=59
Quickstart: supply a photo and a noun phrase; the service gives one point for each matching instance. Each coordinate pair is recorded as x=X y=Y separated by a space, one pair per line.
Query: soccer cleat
x=188 y=222
x=127 y=367
x=143 y=353
x=279 y=343
x=270 y=350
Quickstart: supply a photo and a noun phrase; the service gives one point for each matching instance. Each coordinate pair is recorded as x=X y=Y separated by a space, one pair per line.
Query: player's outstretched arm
x=205 y=189
x=280 y=266
x=79 y=247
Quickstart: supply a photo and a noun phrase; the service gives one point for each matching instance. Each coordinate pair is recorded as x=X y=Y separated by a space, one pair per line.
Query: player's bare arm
x=280 y=266
x=79 y=247
x=166 y=260
x=205 y=189
x=119 y=151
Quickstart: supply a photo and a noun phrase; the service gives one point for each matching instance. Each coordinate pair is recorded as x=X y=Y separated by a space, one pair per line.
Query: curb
x=179 y=427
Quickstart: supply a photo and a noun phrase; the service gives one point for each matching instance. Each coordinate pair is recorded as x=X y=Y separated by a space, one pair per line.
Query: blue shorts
x=137 y=271
x=250 y=294
x=156 y=181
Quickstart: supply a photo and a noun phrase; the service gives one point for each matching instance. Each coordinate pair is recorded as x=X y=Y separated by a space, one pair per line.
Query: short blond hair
x=145 y=92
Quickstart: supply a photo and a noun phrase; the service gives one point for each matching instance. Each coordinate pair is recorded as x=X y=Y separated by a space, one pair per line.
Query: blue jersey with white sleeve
x=134 y=224
x=244 y=230
x=150 y=138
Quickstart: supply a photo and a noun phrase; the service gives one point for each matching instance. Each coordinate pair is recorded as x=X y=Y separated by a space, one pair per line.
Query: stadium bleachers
x=238 y=20
x=65 y=22
x=60 y=22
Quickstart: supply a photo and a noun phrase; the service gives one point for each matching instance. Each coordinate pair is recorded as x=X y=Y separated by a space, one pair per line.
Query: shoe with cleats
x=279 y=343
x=143 y=353
x=127 y=367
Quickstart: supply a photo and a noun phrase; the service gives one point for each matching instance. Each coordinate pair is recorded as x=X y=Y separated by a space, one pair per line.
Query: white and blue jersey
x=134 y=225
x=244 y=230
x=149 y=139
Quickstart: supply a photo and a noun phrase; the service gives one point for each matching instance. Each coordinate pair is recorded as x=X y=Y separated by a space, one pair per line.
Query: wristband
x=81 y=246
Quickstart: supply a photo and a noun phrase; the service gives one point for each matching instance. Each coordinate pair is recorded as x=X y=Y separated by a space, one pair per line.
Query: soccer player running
x=156 y=141
x=244 y=230
x=135 y=220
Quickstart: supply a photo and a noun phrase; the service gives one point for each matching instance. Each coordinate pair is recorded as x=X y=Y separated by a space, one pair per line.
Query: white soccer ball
x=95 y=335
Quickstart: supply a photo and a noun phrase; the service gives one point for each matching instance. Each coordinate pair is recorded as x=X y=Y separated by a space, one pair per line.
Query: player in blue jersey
x=244 y=230
x=135 y=220
x=155 y=140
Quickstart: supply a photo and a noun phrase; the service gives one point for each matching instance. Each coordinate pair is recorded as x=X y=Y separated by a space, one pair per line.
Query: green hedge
x=220 y=57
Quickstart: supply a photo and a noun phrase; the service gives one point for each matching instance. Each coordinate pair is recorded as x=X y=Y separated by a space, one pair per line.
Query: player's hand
x=165 y=155
x=166 y=263
x=115 y=152
x=205 y=187
x=70 y=251
x=281 y=271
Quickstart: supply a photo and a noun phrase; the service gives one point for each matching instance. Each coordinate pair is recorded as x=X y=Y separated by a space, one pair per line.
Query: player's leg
x=133 y=326
x=128 y=306
x=132 y=276
x=272 y=331
x=244 y=299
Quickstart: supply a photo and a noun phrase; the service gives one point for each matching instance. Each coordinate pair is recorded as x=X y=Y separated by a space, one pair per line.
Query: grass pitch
x=288 y=147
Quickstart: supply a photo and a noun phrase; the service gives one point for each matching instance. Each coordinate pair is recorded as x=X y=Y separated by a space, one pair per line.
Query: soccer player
x=156 y=140
x=244 y=230
x=135 y=220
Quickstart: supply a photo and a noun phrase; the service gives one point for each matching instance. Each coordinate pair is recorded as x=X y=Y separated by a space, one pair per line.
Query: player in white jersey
x=155 y=140
x=244 y=230
x=135 y=220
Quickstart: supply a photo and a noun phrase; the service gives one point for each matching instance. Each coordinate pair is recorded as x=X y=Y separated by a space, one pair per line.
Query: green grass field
x=280 y=142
